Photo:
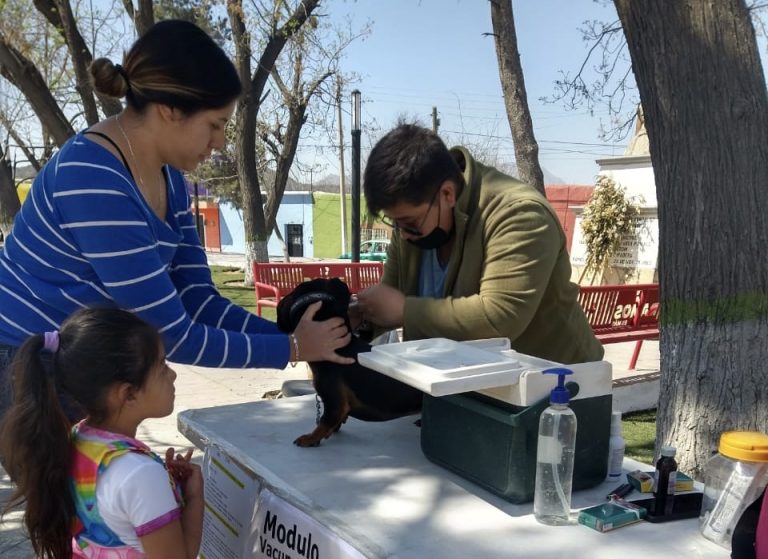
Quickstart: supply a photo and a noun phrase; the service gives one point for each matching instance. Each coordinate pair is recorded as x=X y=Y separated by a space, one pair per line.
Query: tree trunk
x=515 y=98
x=81 y=60
x=284 y=163
x=143 y=18
x=23 y=74
x=9 y=200
x=146 y=17
x=702 y=87
x=298 y=101
x=20 y=143
x=245 y=147
x=245 y=120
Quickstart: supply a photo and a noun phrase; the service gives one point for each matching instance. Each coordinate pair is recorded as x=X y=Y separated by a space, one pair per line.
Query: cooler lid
x=440 y=367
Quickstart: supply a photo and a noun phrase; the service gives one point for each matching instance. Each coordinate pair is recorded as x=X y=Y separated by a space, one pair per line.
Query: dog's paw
x=307 y=441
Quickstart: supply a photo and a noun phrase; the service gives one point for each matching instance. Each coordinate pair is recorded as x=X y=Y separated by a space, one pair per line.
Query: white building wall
x=635 y=173
x=296 y=208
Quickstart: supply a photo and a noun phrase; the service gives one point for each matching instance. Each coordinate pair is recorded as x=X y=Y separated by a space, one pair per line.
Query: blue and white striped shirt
x=85 y=236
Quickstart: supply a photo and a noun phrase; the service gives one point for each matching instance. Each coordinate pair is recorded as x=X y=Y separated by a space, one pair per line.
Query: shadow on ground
x=13 y=538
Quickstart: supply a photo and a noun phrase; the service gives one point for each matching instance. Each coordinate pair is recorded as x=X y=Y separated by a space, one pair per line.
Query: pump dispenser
x=554 y=456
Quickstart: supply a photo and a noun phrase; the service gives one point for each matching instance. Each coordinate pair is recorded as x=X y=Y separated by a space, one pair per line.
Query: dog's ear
x=284 y=314
x=341 y=295
x=333 y=293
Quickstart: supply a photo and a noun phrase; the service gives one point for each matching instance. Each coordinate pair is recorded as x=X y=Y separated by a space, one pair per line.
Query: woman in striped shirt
x=108 y=221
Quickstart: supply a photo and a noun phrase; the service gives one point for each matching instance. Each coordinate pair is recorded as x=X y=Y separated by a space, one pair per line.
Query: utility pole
x=356 y=176
x=435 y=120
x=342 y=178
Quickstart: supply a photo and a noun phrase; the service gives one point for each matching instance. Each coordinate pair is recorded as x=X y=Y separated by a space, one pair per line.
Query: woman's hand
x=382 y=305
x=318 y=341
x=188 y=475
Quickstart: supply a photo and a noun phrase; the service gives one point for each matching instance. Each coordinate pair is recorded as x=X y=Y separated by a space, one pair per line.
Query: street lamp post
x=356 y=176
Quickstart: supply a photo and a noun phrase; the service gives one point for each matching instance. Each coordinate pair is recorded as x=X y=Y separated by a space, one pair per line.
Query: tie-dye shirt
x=94 y=450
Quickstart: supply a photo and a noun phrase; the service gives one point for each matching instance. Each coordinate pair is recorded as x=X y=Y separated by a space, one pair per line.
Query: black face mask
x=435 y=239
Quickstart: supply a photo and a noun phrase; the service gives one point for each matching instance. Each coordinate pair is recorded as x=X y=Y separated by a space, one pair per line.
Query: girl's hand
x=188 y=475
x=192 y=487
x=318 y=341
x=179 y=467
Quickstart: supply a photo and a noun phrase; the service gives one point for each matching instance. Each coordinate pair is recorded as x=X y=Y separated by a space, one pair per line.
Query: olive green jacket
x=508 y=274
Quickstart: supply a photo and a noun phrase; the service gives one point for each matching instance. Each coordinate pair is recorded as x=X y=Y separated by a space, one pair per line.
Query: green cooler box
x=482 y=405
x=493 y=443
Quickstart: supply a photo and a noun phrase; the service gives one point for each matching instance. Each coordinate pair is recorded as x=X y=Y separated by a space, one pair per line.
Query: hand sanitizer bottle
x=554 y=456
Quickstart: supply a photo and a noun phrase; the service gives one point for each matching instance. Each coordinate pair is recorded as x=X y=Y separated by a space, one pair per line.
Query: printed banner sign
x=281 y=531
x=230 y=498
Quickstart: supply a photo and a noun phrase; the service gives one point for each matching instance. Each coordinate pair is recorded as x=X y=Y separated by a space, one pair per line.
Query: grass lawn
x=229 y=281
x=639 y=427
x=640 y=435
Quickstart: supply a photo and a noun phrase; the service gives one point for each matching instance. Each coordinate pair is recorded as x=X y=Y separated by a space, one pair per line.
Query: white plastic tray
x=439 y=366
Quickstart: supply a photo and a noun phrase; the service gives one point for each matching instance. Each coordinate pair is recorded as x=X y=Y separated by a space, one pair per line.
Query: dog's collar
x=302 y=302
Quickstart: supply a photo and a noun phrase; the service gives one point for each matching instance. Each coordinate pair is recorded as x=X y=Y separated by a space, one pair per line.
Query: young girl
x=93 y=490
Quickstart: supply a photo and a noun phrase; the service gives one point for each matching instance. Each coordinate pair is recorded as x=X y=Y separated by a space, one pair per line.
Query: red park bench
x=622 y=313
x=616 y=313
x=274 y=280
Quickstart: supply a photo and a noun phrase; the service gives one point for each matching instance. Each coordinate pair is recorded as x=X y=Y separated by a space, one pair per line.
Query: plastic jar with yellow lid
x=733 y=479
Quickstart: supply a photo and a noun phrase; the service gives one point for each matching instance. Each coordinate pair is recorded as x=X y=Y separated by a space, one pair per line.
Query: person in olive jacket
x=475 y=253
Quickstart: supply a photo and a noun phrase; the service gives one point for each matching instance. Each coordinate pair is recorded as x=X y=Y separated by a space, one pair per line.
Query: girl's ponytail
x=36 y=451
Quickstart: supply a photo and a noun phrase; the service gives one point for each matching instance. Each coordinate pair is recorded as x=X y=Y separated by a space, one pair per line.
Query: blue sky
x=432 y=52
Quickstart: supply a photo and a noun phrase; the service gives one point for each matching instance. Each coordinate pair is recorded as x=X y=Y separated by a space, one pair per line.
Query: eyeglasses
x=413 y=232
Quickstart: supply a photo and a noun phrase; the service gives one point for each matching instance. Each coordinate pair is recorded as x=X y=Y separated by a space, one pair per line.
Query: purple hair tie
x=51 y=341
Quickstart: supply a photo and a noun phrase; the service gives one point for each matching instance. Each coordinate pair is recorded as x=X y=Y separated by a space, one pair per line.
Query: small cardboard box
x=643 y=481
x=611 y=515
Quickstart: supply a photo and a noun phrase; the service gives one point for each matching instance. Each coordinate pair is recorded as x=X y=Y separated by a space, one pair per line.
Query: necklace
x=142 y=184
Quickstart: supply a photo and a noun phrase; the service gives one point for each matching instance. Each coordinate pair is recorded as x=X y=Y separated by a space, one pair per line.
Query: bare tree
x=23 y=73
x=515 y=98
x=604 y=79
x=305 y=103
x=281 y=26
x=59 y=14
x=703 y=90
x=9 y=201
x=143 y=17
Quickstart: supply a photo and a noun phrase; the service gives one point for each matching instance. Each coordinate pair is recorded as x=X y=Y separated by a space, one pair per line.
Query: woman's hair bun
x=108 y=79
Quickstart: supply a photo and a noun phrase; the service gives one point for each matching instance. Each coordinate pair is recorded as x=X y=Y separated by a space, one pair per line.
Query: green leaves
x=608 y=217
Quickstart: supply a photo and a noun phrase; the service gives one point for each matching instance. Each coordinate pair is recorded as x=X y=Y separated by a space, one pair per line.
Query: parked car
x=374 y=249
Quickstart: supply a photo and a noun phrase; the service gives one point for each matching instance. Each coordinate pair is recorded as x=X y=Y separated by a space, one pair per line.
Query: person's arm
x=137 y=490
x=185 y=534
x=172 y=542
x=522 y=244
x=181 y=538
x=388 y=278
x=116 y=234
x=190 y=476
x=129 y=253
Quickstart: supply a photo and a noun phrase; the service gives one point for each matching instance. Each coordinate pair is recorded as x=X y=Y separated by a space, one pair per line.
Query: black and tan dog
x=344 y=389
